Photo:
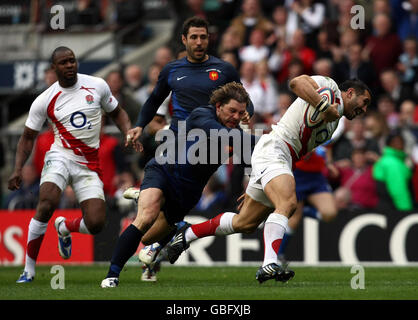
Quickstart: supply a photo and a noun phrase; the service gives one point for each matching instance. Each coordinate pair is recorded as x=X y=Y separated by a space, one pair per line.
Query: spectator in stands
x=250 y=18
x=231 y=57
x=116 y=84
x=256 y=50
x=356 y=181
x=408 y=62
x=376 y=128
x=87 y=13
x=279 y=18
x=324 y=46
x=393 y=175
x=354 y=138
x=353 y=66
x=383 y=47
x=163 y=55
x=230 y=42
x=133 y=77
x=269 y=86
x=49 y=78
x=26 y=197
x=309 y=16
x=407 y=127
x=253 y=86
x=387 y=107
x=393 y=87
x=405 y=14
x=131 y=13
x=141 y=95
x=282 y=56
x=323 y=67
x=283 y=102
x=2 y=163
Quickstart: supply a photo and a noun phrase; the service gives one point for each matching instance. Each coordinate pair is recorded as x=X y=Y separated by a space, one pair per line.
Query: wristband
x=323 y=105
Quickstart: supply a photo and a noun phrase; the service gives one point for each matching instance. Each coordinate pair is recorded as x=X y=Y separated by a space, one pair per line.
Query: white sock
x=219 y=225
x=274 y=229
x=36 y=231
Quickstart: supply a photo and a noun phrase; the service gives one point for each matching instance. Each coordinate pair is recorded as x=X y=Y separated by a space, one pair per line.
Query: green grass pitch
x=213 y=283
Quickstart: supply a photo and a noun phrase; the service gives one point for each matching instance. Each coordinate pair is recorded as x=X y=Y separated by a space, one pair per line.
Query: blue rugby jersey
x=191 y=85
x=193 y=177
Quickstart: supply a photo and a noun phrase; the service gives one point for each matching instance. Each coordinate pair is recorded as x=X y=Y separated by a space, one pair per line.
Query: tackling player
x=174 y=188
x=272 y=186
x=73 y=106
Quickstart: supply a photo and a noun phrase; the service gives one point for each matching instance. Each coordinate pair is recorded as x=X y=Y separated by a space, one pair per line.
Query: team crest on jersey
x=89 y=99
x=213 y=75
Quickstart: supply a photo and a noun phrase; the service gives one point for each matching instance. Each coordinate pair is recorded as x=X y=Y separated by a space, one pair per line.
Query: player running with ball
x=270 y=195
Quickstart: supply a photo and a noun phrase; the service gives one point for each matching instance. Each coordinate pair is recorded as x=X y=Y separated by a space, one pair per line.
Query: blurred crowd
x=374 y=162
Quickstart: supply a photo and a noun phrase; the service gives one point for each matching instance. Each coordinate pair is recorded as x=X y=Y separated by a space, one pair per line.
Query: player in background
x=73 y=106
x=170 y=190
x=308 y=122
x=191 y=80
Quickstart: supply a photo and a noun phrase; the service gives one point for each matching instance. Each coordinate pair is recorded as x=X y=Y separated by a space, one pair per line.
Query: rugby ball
x=312 y=116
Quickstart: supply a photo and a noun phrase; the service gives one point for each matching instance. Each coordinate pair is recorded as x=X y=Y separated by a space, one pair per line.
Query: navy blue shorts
x=179 y=198
x=308 y=183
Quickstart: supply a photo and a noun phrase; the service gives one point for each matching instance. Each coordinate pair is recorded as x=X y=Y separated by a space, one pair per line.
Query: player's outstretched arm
x=121 y=119
x=24 y=149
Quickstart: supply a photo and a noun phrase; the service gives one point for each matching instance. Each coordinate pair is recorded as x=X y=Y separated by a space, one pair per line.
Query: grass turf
x=213 y=283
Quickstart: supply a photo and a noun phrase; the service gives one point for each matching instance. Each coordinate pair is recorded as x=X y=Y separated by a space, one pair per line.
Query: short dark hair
x=196 y=22
x=231 y=90
x=58 y=50
x=359 y=86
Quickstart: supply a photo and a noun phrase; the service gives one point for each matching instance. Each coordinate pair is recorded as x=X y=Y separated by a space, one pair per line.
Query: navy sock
x=309 y=211
x=283 y=245
x=125 y=248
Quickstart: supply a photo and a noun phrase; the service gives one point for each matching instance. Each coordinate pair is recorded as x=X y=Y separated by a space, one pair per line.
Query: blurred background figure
x=27 y=196
x=393 y=176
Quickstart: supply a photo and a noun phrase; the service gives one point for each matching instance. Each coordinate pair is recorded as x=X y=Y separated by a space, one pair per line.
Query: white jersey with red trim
x=75 y=114
x=292 y=126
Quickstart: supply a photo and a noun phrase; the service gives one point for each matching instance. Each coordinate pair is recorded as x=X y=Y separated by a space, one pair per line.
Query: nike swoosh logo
x=179 y=78
x=263 y=171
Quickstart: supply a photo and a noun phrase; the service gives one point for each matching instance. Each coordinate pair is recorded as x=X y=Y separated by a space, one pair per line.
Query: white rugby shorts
x=271 y=157
x=61 y=171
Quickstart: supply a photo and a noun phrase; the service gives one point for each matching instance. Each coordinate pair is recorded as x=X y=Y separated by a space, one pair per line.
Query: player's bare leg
x=281 y=192
x=49 y=197
x=326 y=205
x=149 y=206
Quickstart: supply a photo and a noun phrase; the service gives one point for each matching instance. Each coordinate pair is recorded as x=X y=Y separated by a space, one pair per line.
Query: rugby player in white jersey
x=270 y=194
x=73 y=106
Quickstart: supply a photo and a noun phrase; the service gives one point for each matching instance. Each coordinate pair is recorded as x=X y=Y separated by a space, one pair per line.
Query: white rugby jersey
x=292 y=128
x=75 y=114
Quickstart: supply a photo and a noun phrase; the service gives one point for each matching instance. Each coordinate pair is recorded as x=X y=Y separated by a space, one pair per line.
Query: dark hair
x=231 y=90
x=196 y=22
x=359 y=86
x=395 y=133
x=58 y=50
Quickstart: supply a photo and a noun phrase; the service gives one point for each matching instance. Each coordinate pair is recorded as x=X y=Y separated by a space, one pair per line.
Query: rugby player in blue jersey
x=191 y=80
x=175 y=187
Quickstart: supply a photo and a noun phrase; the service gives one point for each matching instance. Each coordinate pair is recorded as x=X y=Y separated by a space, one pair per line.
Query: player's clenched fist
x=132 y=138
x=331 y=114
x=14 y=181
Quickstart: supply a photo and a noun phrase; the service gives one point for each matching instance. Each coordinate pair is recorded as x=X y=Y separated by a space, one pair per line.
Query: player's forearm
x=121 y=119
x=305 y=88
x=23 y=152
